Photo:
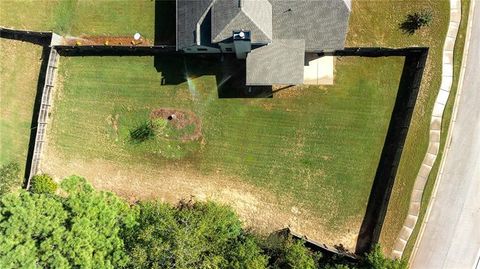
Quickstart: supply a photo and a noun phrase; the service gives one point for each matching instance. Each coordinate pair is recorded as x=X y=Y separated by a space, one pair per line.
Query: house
x=274 y=36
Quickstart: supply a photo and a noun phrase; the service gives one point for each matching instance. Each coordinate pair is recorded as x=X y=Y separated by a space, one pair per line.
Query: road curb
x=434 y=132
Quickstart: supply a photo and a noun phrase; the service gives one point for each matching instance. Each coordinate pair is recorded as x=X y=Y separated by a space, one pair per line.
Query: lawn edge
x=461 y=44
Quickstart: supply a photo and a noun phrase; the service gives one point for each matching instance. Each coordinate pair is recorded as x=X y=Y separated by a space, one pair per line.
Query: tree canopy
x=78 y=229
x=200 y=235
x=81 y=227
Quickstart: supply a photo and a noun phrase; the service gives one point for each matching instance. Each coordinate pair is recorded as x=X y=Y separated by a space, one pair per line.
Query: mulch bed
x=182 y=119
x=106 y=40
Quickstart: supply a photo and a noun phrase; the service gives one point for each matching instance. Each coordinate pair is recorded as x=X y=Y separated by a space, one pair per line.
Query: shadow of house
x=229 y=73
x=165 y=20
x=176 y=68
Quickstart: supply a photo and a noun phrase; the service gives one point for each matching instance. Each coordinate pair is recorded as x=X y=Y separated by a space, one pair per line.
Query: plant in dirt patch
x=415 y=21
x=143 y=132
x=148 y=130
x=9 y=177
x=43 y=184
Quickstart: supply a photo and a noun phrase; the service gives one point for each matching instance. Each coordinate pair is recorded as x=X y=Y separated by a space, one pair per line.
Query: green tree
x=43 y=184
x=376 y=260
x=200 y=235
x=287 y=253
x=80 y=229
x=9 y=177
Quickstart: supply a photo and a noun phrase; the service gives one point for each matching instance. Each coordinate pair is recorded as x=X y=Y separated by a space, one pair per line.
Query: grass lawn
x=19 y=67
x=313 y=148
x=376 y=23
x=458 y=54
x=76 y=17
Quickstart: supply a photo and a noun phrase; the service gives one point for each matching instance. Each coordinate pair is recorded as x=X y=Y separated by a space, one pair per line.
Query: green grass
x=19 y=67
x=447 y=116
x=376 y=23
x=77 y=17
x=320 y=147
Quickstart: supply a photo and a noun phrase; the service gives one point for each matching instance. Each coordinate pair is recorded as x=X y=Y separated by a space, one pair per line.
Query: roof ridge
x=255 y=23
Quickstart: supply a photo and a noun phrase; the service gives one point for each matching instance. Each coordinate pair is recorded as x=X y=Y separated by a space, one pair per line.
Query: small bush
x=9 y=177
x=415 y=21
x=143 y=132
x=43 y=184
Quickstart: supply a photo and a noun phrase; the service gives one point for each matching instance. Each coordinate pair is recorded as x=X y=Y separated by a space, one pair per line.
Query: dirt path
x=259 y=209
x=106 y=40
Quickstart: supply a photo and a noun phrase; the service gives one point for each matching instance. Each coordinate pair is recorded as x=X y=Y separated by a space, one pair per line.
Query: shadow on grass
x=36 y=111
x=410 y=80
x=229 y=73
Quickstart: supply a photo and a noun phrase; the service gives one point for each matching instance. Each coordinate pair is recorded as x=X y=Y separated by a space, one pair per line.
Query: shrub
x=415 y=21
x=79 y=230
x=191 y=235
x=43 y=184
x=286 y=252
x=9 y=176
x=143 y=132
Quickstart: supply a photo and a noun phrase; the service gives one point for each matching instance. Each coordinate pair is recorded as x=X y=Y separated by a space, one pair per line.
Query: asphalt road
x=452 y=233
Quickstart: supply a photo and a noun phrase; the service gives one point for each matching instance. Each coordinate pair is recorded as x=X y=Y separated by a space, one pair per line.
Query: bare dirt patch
x=180 y=119
x=260 y=209
x=107 y=40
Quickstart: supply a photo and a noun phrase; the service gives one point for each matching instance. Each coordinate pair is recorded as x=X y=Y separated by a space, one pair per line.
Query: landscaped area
x=305 y=157
x=19 y=67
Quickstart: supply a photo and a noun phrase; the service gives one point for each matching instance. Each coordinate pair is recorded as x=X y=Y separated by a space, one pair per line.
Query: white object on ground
x=137 y=36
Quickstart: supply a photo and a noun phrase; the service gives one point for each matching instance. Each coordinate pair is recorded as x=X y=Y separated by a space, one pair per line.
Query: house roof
x=189 y=13
x=321 y=23
x=280 y=62
x=234 y=15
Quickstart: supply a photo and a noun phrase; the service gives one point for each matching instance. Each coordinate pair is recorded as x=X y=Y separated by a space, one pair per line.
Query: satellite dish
x=242 y=34
x=137 y=36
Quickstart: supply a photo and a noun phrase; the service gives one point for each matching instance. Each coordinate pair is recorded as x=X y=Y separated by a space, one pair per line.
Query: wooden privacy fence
x=45 y=104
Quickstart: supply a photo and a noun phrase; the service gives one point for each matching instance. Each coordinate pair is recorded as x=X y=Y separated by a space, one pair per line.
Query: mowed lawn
x=19 y=67
x=376 y=23
x=77 y=17
x=319 y=146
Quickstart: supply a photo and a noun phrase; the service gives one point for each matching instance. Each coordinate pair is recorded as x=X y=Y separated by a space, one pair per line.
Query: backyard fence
x=109 y=50
x=45 y=104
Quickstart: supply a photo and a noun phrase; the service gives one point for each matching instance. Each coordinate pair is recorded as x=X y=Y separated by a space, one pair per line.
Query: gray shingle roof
x=280 y=62
x=322 y=23
x=249 y=15
x=189 y=13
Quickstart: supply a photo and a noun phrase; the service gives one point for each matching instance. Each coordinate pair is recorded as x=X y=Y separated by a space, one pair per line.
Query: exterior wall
x=201 y=49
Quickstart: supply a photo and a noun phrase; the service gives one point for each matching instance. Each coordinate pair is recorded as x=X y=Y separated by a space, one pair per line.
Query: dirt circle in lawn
x=182 y=120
